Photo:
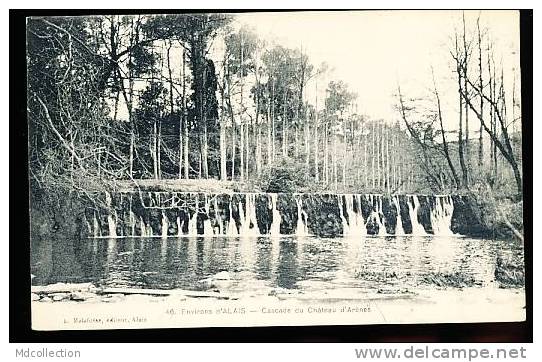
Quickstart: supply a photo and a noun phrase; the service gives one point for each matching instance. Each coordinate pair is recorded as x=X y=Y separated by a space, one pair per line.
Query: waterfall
x=193 y=220
x=218 y=217
x=232 y=228
x=274 y=230
x=356 y=224
x=301 y=229
x=377 y=214
x=346 y=227
x=179 y=226
x=399 y=223
x=165 y=224
x=111 y=223
x=207 y=225
x=360 y=222
x=417 y=228
x=144 y=231
x=96 y=226
x=441 y=215
x=242 y=218
x=89 y=227
x=380 y=217
x=152 y=211
x=132 y=219
x=249 y=223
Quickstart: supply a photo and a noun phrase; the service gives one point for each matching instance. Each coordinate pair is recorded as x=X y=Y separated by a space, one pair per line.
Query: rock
x=206 y=283
x=223 y=275
x=35 y=297
x=46 y=299
x=221 y=284
x=57 y=297
x=112 y=298
x=61 y=287
x=81 y=296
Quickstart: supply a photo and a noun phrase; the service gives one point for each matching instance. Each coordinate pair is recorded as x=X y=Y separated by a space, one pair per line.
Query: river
x=259 y=264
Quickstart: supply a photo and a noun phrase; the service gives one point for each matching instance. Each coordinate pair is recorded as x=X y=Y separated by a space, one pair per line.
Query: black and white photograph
x=275 y=168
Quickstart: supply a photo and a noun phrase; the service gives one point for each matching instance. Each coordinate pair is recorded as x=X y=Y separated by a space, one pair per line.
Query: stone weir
x=164 y=214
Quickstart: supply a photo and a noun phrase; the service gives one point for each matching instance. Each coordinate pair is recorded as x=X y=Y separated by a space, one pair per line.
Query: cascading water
x=165 y=224
x=220 y=223
x=207 y=225
x=356 y=224
x=241 y=214
x=132 y=218
x=111 y=223
x=274 y=230
x=242 y=219
x=301 y=229
x=346 y=227
x=179 y=226
x=380 y=217
x=377 y=214
x=441 y=215
x=193 y=220
x=144 y=230
x=89 y=227
x=232 y=228
x=249 y=222
x=96 y=226
x=417 y=228
x=399 y=221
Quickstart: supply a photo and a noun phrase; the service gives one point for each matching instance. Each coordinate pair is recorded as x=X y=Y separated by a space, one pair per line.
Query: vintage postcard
x=275 y=169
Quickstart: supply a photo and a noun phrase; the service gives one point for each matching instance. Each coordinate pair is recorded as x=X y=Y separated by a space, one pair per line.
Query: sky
x=374 y=50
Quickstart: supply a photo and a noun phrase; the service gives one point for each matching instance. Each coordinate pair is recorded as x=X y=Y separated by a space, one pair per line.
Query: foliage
x=285 y=175
x=148 y=96
x=499 y=215
x=338 y=97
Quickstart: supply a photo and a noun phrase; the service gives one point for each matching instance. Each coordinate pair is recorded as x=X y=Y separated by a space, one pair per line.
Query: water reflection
x=286 y=262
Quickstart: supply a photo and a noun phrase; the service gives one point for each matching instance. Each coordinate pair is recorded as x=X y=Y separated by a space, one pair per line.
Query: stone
x=35 y=297
x=80 y=296
x=57 y=297
x=223 y=275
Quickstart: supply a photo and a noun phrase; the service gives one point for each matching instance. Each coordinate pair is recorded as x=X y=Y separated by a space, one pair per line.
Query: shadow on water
x=287 y=264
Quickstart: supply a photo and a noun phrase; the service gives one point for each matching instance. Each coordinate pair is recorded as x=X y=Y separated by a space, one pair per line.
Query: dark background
x=19 y=253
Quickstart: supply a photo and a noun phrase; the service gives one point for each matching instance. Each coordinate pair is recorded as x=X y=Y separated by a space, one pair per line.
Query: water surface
x=372 y=263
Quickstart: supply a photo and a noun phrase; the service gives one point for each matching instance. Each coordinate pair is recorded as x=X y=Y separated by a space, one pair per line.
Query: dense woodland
x=199 y=96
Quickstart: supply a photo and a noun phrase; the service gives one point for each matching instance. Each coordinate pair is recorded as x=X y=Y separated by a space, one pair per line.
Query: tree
x=337 y=101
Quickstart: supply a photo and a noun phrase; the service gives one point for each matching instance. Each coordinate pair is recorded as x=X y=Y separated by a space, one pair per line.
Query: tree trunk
x=284 y=131
x=326 y=152
x=232 y=150
x=186 y=140
x=269 y=141
x=467 y=140
x=460 y=134
x=153 y=151
x=247 y=149
x=444 y=142
x=316 y=171
x=373 y=155
x=159 y=149
x=345 y=151
x=481 y=85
